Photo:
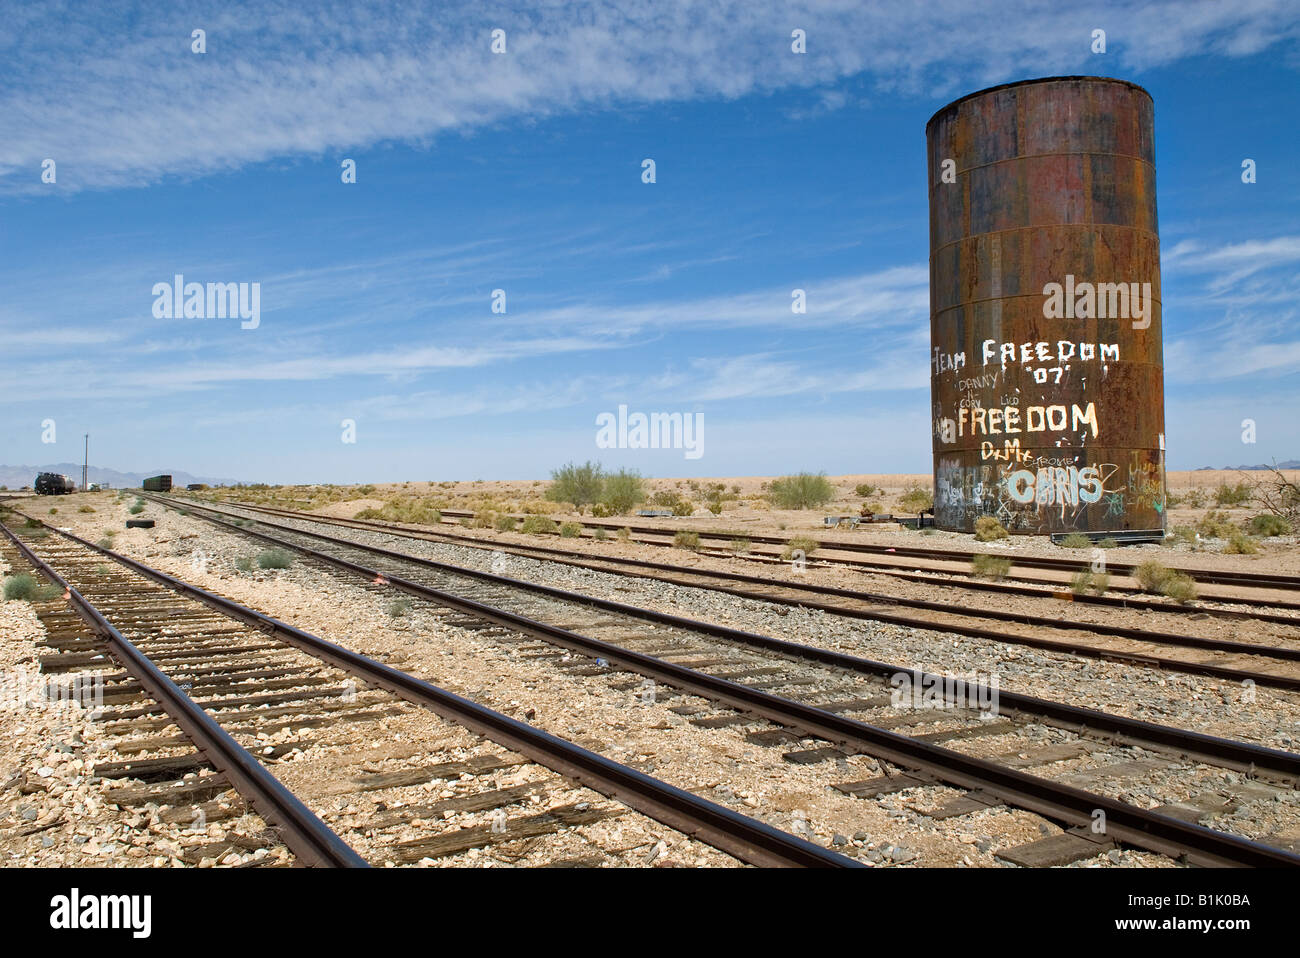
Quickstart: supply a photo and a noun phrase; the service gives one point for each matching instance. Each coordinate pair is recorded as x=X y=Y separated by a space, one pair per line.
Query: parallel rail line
x=1060 y=802
x=963 y=579
x=1263 y=580
x=716 y=825
x=310 y=839
x=807 y=595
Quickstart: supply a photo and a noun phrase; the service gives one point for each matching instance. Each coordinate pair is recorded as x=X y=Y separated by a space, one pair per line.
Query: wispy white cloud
x=1233 y=262
x=120 y=99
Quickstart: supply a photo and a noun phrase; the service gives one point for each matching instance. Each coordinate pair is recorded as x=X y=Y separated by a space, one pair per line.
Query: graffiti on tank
x=983 y=381
x=1147 y=489
x=947 y=362
x=1056 y=486
x=1045 y=363
x=1041 y=353
x=1012 y=419
x=1009 y=452
x=1021 y=487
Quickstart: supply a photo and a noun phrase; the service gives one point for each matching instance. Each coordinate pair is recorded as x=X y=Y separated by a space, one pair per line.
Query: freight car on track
x=157 y=484
x=53 y=484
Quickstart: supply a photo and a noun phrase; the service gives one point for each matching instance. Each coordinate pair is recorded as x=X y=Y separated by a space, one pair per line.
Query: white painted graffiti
x=1042 y=352
x=1056 y=486
x=1036 y=419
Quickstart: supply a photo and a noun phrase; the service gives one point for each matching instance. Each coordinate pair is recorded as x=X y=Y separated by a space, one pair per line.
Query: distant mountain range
x=1289 y=464
x=15 y=477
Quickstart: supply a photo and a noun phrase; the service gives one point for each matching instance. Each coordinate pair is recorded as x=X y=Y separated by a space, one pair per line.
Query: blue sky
x=522 y=172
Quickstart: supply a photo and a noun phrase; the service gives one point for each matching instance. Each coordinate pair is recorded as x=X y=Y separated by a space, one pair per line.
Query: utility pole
x=85 y=468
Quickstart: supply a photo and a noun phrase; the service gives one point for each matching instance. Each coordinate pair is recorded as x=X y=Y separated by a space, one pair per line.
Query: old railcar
x=53 y=484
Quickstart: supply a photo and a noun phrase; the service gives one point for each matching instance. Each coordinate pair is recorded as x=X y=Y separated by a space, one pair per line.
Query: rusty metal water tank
x=1047 y=381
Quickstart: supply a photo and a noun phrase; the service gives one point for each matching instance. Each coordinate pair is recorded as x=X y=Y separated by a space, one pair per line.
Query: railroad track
x=1262 y=580
x=242 y=689
x=1130 y=597
x=1271 y=665
x=741 y=674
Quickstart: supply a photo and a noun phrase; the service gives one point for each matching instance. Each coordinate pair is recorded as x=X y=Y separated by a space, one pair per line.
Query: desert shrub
x=23 y=586
x=412 y=511
x=599 y=534
x=1076 y=540
x=665 y=499
x=571 y=530
x=866 y=490
x=1179 y=587
x=399 y=607
x=987 y=529
x=799 y=544
x=1266 y=524
x=916 y=499
x=1240 y=544
x=244 y=564
x=600 y=511
x=686 y=540
x=1107 y=543
x=803 y=491
x=30 y=523
x=622 y=491
x=20 y=586
x=1217 y=525
x=580 y=485
x=105 y=543
x=539 y=525
x=624 y=534
x=1153 y=577
x=86 y=510
x=484 y=519
x=740 y=545
x=1234 y=495
x=684 y=507
x=1150 y=575
x=989 y=567
x=540 y=507
x=505 y=523
x=54 y=512
x=274 y=559
x=1280 y=496
x=1184 y=534
x=715 y=508
x=136 y=509
x=1192 y=498
x=1089 y=581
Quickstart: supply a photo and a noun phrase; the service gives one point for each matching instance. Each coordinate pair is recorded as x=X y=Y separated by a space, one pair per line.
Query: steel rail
x=963 y=581
x=1260 y=580
x=309 y=838
x=1229 y=673
x=592 y=562
x=1063 y=803
x=713 y=824
x=1240 y=755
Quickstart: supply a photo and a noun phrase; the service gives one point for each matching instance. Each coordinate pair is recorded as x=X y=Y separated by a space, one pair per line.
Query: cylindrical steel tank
x=1047 y=381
